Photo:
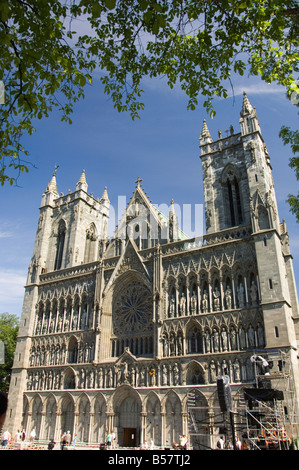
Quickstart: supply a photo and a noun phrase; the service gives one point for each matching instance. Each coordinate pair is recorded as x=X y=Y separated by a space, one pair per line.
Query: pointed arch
x=90 y=244
x=69 y=379
x=83 y=418
x=152 y=407
x=195 y=374
x=67 y=408
x=73 y=347
x=61 y=232
x=99 y=408
x=36 y=417
x=194 y=338
x=230 y=179
x=172 y=407
x=50 y=406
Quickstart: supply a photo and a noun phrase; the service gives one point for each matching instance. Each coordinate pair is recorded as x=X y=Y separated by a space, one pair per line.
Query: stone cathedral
x=117 y=334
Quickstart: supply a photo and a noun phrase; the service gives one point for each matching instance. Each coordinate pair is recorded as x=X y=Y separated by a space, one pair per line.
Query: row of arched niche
x=197 y=339
x=210 y=292
x=161 y=417
x=146 y=374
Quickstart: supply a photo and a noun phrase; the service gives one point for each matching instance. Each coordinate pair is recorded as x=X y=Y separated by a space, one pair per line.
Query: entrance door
x=129 y=437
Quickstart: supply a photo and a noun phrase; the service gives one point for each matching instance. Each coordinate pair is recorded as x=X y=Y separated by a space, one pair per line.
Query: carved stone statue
x=183 y=304
x=215 y=340
x=216 y=297
x=172 y=307
x=207 y=342
x=224 y=339
x=253 y=293
x=194 y=304
x=228 y=298
x=205 y=302
x=241 y=295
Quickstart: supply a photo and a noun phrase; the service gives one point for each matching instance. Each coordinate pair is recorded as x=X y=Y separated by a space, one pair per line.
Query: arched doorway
x=129 y=422
x=127 y=406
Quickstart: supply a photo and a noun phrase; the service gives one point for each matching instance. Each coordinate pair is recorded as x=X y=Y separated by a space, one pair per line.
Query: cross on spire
x=138 y=181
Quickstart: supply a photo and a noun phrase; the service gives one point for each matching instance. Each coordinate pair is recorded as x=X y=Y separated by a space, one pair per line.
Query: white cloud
x=259 y=88
x=12 y=291
x=4 y=234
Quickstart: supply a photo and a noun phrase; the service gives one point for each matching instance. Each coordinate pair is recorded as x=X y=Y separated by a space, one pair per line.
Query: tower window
x=270 y=284
x=232 y=196
x=276 y=332
x=90 y=245
x=60 y=245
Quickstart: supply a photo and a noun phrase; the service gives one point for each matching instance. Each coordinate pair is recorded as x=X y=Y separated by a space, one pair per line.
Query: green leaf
x=110 y=4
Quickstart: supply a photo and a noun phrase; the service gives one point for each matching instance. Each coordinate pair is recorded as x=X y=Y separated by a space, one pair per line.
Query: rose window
x=133 y=309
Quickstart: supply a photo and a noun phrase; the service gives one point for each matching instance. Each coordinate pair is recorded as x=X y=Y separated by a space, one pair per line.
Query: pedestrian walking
x=63 y=441
x=109 y=440
x=6 y=438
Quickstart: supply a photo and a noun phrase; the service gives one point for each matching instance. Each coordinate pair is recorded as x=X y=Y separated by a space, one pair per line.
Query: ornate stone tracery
x=133 y=309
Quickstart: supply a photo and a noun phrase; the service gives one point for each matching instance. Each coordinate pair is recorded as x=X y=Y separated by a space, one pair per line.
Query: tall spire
x=172 y=211
x=52 y=186
x=248 y=117
x=205 y=136
x=173 y=223
x=105 y=195
x=82 y=182
x=247 y=107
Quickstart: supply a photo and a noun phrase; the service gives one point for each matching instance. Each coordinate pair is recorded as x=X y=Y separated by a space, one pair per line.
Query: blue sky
x=162 y=148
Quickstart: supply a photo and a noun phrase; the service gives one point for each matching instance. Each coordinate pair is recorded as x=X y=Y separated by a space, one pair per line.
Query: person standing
x=109 y=440
x=68 y=438
x=238 y=444
x=220 y=443
x=6 y=438
x=63 y=441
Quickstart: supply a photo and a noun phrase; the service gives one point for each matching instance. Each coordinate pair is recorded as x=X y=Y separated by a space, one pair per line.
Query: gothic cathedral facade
x=116 y=335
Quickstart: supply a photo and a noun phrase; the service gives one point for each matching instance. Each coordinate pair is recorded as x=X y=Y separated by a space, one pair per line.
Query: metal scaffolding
x=271 y=406
x=263 y=414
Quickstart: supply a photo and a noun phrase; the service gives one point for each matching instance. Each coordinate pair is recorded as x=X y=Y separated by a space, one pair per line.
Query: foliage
x=290 y=137
x=9 y=326
x=46 y=64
